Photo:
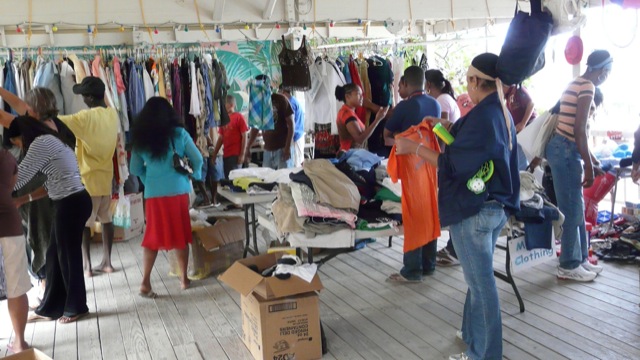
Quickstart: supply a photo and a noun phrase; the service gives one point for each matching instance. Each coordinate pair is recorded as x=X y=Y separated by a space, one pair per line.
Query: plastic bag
x=122 y=214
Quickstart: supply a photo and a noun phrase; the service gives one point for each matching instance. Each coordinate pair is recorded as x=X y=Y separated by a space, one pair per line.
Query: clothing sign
x=521 y=258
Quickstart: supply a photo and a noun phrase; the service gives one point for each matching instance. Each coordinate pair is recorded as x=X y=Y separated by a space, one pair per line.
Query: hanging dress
x=295 y=66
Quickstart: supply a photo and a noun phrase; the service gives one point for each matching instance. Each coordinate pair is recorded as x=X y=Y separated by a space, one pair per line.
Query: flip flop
x=33 y=317
x=398 y=278
x=71 y=319
x=148 y=295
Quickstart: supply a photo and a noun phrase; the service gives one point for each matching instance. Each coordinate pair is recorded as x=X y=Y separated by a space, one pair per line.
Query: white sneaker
x=462 y=356
x=459 y=334
x=593 y=268
x=577 y=274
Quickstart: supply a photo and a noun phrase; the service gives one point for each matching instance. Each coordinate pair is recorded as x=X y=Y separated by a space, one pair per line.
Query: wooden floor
x=364 y=317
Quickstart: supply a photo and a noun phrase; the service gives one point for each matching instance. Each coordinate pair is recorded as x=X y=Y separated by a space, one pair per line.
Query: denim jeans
x=273 y=159
x=474 y=239
x=421 y=261
x=566 y=168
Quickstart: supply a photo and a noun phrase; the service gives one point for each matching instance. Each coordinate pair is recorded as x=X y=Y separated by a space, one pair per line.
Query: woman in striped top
x=65 y=294
x=568 y=154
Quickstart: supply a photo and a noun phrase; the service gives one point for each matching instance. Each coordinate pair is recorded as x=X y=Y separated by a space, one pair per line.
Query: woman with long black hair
x=157 y=134
x=441 y=89
x=65 y=295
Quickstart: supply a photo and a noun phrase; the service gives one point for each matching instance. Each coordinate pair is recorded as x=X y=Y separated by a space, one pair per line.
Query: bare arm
x=16 y=104
x=360 y=135
x=219 y=143
x=253 y=134
x=389 y=140
x=286 y=153
x=244 y=144
x=37 y=194
x=6 y=118
x=405 y=146
x=580 y=134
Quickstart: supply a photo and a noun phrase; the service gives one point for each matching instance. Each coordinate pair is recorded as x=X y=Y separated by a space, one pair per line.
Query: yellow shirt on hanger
x=96 y=132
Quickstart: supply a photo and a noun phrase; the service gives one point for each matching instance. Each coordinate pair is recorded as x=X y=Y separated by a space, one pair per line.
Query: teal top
x=159 y=177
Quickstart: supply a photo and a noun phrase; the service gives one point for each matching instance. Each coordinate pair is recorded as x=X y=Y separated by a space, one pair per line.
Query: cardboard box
x=137 y=220
x=245 y=281
x=280 y=318
x=31 y=354
x=285 y=328
x=214 y=249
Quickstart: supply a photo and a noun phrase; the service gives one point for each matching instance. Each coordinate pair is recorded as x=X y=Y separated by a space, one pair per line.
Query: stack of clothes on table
x=257 y=180
x=328 y=199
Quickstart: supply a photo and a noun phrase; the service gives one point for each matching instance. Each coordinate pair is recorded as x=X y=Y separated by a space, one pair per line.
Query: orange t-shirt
x=419 y=189
x=346 y=140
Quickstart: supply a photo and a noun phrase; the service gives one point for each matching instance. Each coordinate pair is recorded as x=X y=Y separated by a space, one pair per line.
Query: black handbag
x=179 y=163
x=522 y=53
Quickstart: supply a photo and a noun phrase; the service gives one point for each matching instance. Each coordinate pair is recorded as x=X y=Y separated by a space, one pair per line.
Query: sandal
x=148 y=295
x=71 y=319
x=33 y=317
x=398 y=278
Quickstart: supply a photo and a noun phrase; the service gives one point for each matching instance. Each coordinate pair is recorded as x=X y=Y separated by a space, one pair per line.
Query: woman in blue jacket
x=475 y=218
x=156 y=135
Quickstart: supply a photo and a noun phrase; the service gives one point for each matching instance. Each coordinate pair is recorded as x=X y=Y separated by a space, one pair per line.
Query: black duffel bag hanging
x=522 y=53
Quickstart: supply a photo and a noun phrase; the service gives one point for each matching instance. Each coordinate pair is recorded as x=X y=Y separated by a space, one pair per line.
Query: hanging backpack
x=522 y=53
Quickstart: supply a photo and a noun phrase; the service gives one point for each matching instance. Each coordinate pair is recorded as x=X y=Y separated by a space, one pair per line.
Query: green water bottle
x=443 y=134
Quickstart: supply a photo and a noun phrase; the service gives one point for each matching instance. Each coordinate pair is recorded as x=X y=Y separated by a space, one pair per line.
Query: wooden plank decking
x=364 y=317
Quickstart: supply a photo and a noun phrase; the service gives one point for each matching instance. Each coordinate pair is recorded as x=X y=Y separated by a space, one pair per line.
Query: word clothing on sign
x=419 y=189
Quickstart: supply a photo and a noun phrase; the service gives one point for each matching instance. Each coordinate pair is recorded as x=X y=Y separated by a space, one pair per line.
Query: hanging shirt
x=320 y=102
x=518 y=99
x=295 y=66
x=73 y=103
x=149 y=89
x=260 y=109
x=419 y=189
x=9 y=83
x=355 y=78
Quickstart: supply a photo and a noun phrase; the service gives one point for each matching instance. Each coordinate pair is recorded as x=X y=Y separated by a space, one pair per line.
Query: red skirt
x=168 y=223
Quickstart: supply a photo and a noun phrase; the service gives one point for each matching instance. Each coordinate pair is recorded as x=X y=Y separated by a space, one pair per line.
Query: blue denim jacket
x=480 y=136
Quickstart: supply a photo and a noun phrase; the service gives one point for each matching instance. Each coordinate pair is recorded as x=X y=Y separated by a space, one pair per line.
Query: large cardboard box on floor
x=280 y=318
x=214 y=248
x=31 y=354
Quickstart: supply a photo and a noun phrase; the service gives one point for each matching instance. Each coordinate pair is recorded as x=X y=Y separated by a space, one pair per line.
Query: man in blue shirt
x=410 y=112
x=297 y=147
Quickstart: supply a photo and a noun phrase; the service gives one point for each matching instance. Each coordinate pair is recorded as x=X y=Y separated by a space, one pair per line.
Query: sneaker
x=590 y=267
x=462 y=356
x=459 y=334
x=577 y=274
x=444 y=258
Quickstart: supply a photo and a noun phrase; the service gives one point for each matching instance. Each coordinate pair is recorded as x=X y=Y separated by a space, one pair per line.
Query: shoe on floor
x=577 y=274
x=444 y=258
x=459 y=334
x=590 y=267
x=462 y=356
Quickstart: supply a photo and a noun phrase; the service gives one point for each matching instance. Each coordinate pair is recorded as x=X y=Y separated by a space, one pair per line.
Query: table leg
x=247 y=243
x=254 y=225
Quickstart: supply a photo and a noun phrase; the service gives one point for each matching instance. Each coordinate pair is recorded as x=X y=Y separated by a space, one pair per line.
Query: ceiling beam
x=218 y=10
x=268 y=10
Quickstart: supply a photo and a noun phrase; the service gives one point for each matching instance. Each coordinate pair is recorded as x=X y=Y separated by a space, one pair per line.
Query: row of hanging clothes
x=193 y=81
x=378 y=76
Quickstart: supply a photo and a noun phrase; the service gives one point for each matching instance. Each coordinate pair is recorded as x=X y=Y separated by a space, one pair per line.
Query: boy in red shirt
x=234 y=138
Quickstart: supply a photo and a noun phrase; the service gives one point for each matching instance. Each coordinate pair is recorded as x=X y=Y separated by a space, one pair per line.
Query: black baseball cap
x=90 y=86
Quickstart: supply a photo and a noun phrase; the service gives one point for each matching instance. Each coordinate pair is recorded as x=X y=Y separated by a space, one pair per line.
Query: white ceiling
x=71 y=18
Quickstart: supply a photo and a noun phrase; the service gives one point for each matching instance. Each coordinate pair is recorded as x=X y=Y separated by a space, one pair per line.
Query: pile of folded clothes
x=257 y=180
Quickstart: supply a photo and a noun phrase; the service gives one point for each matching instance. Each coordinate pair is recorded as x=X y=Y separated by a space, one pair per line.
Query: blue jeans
x=474 y=239
x=273 y=159
x=421 y=261
x=566 y=167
